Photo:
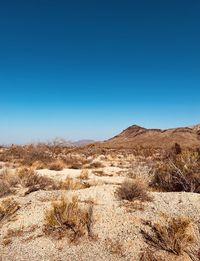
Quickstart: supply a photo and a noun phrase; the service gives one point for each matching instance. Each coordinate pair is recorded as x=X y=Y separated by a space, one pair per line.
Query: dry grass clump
x=39 y=165
x=180 y=173
x=57 y=165
x=75 y=161
x=7 y=180
x=5 y=188
x=30 y=179
x=67 y=218
x=84 y=174
x=176 y=237
x=142 y=170
x=76 y=165
x=7 y=208
x=133 y=190
x=73 y=184
x=24 y=177
x=96 y=164
x=10 y=177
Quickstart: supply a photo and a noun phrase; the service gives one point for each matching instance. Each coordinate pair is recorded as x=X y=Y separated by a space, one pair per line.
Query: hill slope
x=157 y=138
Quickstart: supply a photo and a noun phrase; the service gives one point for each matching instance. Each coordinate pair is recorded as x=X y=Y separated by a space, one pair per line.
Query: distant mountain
x=66 y=143
x=157 y=138
x=81 y=143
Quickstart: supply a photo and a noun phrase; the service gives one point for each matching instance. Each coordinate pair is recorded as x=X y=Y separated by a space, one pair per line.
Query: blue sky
x=88 y=69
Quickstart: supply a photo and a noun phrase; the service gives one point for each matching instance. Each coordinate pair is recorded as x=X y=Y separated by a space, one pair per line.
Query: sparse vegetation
x=7 y=180
x=73 y=184
x=32 y=180
x=96 y=164
x=176 y=237
x=67 y=218
x=7 y=208
x=142 y=170
x=71 y=218
x=133 y=190
x=4 y=188
x=84 y=174
x=25 y=177
x=57 y=165
x=180 y=173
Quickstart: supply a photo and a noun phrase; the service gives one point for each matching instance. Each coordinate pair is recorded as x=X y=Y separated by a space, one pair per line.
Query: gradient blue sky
x=88 y=69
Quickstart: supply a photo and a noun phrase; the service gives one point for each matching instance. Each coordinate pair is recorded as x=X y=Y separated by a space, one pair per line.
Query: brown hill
x=156 y=138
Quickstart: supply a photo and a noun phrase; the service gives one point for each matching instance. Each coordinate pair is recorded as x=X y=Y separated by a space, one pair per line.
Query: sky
x=89 y=69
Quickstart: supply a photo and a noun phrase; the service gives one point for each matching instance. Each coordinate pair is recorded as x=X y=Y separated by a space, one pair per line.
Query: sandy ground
x=114 y=223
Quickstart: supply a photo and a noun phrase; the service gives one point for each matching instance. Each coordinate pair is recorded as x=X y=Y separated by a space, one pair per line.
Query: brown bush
x=176 y=236
x=76 y=165
x=39 y=165
x=67 y=218
x=8 y=179
x=29 y=178
x=180 y=173
x=57 y=165
x=7 y=208
x=96 y=164
x=84 y=174
x=29 y=154
x=5 y=188
x=73 y=184
x=133 y=190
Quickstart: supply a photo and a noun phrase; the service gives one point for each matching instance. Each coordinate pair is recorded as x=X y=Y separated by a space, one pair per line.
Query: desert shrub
x=29 y=178
x=176 y=236
x=67 y=218
x=57 y=165
x=180 y=173
x=133 y=190
x=8 y=179
x=73 y=184
x=84 y=174
x=36 y=153
x=11 y=153
x=26 y=155
x=96 y=164
x=76 y=165
x=75 y=161
x=4 y=188
x=7 y=208
x=142 y=170
x=39 y=165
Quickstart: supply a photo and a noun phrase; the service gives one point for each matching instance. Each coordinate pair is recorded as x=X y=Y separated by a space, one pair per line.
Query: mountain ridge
x=136 y=135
